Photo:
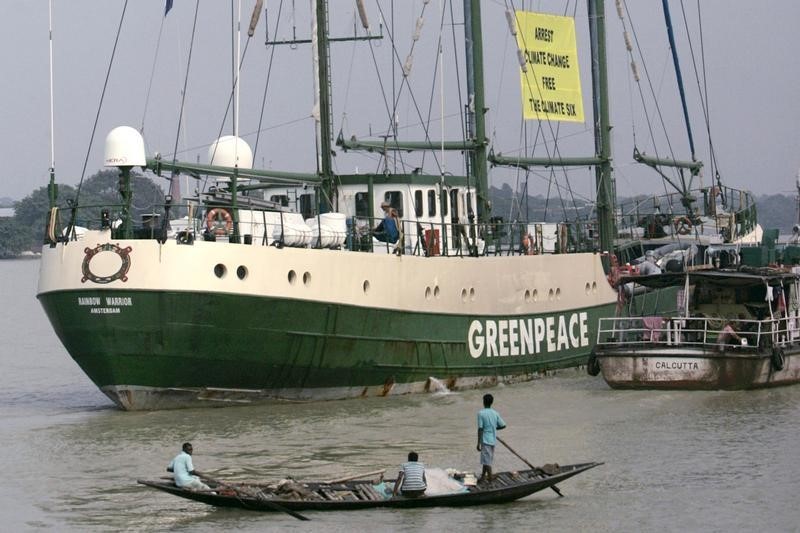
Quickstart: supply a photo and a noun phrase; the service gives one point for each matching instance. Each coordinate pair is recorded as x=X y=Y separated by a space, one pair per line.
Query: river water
x=674 y=461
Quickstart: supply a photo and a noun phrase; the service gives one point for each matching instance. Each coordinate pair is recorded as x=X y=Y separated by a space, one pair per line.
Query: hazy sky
x=751 y=48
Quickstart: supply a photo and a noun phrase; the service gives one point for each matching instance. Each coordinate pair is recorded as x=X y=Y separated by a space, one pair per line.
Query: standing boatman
x=489 y=422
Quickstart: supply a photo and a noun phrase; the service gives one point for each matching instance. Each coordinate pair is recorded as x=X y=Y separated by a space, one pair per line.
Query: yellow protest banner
x=551 y=82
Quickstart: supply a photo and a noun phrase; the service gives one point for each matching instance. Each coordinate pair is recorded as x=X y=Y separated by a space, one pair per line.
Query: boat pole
x=235 y=177
x=52 y=188
x=504 y=443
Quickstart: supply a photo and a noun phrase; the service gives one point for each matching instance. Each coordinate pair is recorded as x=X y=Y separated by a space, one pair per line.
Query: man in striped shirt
x=411 y=480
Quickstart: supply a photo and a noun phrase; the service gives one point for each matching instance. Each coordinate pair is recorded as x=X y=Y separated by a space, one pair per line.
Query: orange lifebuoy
x=683 y=226
x=219 y=221
x=628 y=270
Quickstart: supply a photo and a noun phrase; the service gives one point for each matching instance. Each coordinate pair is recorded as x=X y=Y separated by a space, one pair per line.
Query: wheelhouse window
x=431 y=202
x=454 y=203
x=418 y=207
x=444 y=205
x=307 y=205
x=280 y=199
x=362 y=204
x=395 y=199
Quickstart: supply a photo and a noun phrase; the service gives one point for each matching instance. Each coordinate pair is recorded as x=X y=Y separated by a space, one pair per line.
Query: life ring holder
x=219 y=221
x=683 y=225
x=121 y=273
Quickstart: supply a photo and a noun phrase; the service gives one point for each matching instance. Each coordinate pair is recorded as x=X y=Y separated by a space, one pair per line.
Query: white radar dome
x=230 y=151
x=125 y=148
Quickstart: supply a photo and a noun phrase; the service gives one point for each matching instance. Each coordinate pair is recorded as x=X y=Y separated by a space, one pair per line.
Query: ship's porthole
x=241 y=272
x=306 y=278
x=220 y=270
x=558 y=294
x=292 y=277
x=527 y=295
x=463 y=295
x=588 y=289
x=535 y=295
x=427 y=293
x=551 y=295
x=472 y=294
x=594 y=287
x=365 y=286
x=436 y=292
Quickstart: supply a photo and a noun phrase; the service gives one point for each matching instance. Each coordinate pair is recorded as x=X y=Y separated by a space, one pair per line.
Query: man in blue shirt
x=387 y=231
x=183 y=470
x=489 y=422
x=411 y=478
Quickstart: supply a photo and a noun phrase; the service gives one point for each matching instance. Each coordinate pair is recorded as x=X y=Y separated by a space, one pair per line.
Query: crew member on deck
x=727 y=335
x=387 y=230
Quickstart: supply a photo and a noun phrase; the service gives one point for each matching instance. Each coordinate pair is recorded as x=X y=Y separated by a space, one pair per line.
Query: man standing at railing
x=387 y=230
x=727 y=335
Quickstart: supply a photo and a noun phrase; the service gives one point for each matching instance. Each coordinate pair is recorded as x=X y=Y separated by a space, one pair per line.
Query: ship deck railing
x=255 y=227
x=724 y=211
x=695 y=331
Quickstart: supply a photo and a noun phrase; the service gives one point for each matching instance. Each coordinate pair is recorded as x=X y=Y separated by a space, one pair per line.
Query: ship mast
x=602 y=125
x=476 y=109
x=321 y=52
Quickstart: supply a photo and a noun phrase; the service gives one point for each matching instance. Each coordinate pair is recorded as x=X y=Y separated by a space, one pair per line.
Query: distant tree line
x=26 y=229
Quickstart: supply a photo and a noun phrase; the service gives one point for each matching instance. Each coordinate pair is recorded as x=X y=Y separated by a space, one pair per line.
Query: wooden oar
x=266 y=501
x=357 y=476
x=504 y=443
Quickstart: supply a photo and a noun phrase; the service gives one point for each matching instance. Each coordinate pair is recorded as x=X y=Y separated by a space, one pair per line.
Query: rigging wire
x=231 y=97
x=378 y=73
x=649 y=83
x=100 y=104
x=702 y=90
x=185 y=84
x=461 y=106
x=405 y=84
x=353 y=47
x=439 y=70
x=269 y=75
x=152 y=74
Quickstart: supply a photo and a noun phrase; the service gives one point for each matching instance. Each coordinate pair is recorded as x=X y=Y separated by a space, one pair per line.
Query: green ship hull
x=171 y=349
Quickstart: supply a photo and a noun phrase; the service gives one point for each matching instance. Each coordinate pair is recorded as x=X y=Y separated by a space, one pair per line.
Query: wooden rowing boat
x=360 y=494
